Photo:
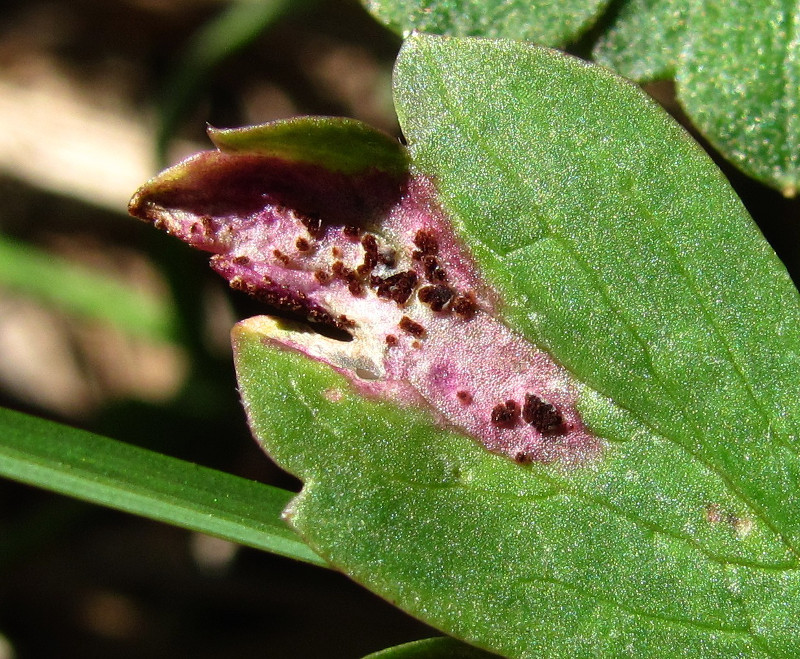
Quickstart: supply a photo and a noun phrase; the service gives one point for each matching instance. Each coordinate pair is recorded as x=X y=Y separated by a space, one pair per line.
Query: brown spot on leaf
x=436 y=297
x=411 y=327
x=426 y=242
x=740 y=525
x=522 y=458
x=351 y=232
x=506 y=415
x=314 y=225
x=241 y=260
x=283 y=258
x=433 y=271
x=542 y=416
x=464 y=305
x=302 y=244
x=464 y=397
x=341 y=271
x=398 y=287
x=370 y=244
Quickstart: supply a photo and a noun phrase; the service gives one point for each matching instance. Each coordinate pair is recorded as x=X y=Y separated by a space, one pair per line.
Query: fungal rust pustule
x=373 y=255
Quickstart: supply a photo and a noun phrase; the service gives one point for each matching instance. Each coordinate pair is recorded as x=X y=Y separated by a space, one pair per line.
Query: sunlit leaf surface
x=737 y=67
x=546 y=23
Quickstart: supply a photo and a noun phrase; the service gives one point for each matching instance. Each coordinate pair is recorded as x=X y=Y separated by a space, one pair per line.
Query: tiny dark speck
x=522 y=458
x=351 y=232
x=278 y=254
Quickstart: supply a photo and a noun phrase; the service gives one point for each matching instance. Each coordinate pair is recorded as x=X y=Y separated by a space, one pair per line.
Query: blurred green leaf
x=619 y=247
x=645 y=39
x=546 y=23
x=737 y=68
x=134 y=480
x=78 y=290
x=432 y=648
x=239 y=25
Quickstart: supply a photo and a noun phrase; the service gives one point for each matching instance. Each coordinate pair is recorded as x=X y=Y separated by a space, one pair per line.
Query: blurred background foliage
x=108 y=325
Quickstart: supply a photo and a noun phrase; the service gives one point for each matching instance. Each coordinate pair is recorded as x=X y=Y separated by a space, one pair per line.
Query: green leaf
x=739 y=81
x=618 y=246
x=546 y=23
x=134 y=480
x=31 y=272
x=737 y=68
x=337 y=144
x=645 y=39
x=431 y=648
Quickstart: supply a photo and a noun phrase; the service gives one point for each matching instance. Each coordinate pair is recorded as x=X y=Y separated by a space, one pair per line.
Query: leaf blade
x=678 y=536
x=482 y=541
x=645 y=40
x=754 y=120
x=635 y=316
x=544 y=23
x=110 y=473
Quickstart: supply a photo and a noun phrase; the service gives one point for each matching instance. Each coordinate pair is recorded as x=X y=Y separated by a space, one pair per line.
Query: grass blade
x=111 y=473
x=79 y=290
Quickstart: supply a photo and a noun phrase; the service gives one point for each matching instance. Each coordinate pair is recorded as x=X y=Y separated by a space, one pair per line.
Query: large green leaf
x=619 y=247
x=546 y=23
x=645 y=39
x=737 y=66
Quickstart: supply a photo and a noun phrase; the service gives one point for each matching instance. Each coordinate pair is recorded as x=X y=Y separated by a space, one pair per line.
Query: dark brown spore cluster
x=397 y=287
x=282 y=297
x=411 y=327
x=436 y=293
x=314 y=225
x=506 y=415
x=534 y=411
x=428 y=278
x=542 y=416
